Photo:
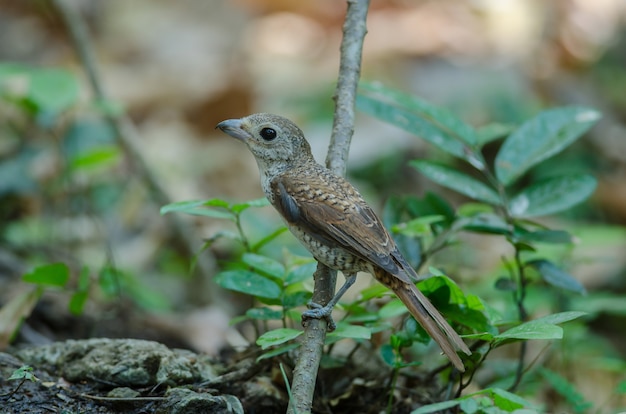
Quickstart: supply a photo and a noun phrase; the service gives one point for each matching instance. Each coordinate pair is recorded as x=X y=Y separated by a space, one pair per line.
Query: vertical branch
x=354 y=30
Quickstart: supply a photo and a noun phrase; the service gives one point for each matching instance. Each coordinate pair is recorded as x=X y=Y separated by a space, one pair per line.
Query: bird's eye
x=268 y=134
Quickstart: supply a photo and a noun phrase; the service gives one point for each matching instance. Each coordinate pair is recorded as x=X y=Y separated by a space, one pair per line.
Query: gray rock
x=123 y=362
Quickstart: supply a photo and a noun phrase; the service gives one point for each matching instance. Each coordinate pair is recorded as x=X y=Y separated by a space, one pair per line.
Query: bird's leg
x=318 y=311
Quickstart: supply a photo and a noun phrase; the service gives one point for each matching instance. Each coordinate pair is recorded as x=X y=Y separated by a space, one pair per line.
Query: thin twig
x=523 y=316
x=354 y=30
x=121 y=399
x=128 y=139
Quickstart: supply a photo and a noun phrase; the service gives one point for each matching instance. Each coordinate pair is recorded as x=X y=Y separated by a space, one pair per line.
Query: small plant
x=22 y=374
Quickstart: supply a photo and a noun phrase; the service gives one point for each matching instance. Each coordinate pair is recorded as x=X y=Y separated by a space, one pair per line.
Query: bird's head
x=276 y=142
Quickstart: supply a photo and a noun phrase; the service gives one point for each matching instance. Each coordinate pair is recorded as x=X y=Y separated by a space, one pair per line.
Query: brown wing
x=331 y=210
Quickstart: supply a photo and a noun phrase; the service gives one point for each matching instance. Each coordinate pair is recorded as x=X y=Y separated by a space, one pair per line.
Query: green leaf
x=277 y=337
x=39 y=89
x=198 y=208
x=430 y=205
x=507 y=400
x=433 y=124
x=392 y=309
x=53 y=90
x=435 y=272
x=488 y=223
x=552 y=195
x=278 y=351
x=264 y=314
x=532 y=330
x=417 y=227
x=540 y=138
x=436 y=407
x=295 y=299
x=217 y=202
x=557 y=276
x=96 y=157
x=259 y=202
x=434 y=284
x=345 y=330
x=24 y=372
x=377 y=290
x=388 y=354
x=55 y=274
x=561 y=317
x=483 y=336
x=545 y=236
x=457 y=181
x=492 y=132
x=439 y=117
x=301 y=273
x=77 y=302
x=469 y=406
x=249 y=283
x=264 y=264
x=506 y=284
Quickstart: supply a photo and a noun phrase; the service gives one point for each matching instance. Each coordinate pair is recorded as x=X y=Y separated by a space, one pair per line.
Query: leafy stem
x=242 y=234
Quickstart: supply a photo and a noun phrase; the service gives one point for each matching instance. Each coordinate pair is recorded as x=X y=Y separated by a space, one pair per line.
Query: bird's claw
x=317 y=311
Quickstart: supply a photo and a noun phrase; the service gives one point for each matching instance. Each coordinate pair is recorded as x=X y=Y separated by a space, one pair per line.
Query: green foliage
x=489 y=400
x=535 y=141
x=506 y=204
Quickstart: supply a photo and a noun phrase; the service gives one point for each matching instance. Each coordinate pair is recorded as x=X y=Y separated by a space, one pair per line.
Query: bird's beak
x=234 y=128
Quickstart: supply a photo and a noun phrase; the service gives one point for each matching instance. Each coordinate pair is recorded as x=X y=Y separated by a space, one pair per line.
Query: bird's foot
x=317 y=311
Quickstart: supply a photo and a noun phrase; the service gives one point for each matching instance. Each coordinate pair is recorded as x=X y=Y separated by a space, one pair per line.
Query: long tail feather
x=432 y=321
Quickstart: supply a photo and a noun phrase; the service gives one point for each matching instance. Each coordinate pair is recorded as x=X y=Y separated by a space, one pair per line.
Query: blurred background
x=70 y=193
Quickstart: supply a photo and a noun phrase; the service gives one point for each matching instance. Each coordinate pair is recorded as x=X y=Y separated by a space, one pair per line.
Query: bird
x=332 y=220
